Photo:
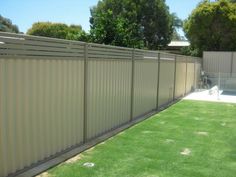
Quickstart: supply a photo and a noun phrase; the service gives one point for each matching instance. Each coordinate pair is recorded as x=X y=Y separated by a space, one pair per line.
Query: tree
x=156 y=22
x=189 y=51
x=7 y=26
x=75 y=32
x=212 y=26
x=112 y=24
x=177 y=24
x=131 y=23
x=58 y=30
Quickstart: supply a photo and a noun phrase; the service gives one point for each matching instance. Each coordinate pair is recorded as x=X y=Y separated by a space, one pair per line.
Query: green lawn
x=189 y=139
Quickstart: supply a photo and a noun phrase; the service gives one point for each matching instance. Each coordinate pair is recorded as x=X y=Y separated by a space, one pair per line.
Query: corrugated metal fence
x=223 y=62
x=220 y=68
x=58 y=94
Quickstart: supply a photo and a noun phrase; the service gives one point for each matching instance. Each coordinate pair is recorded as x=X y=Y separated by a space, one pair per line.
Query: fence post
x=195 y=75
x=174 y=78
x=132 y=85
x=85 y=91
x=158 y=80
x=218 y=93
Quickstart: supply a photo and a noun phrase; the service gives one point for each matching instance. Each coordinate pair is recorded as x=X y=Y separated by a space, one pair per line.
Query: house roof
x=179 y=44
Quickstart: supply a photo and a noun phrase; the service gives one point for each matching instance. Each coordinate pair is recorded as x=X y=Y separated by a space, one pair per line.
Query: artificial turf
x=153 y=148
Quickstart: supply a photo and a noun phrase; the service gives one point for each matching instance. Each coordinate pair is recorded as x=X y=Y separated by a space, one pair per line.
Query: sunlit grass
x=189 y=139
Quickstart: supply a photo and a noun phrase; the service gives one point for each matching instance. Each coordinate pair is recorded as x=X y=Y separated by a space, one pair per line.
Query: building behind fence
x=220 y=67
x=56 y=95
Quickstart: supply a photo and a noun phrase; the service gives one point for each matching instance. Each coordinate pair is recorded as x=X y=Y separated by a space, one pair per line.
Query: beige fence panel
x=41 y=106
x=190 y=76
x=214 y=62
x=145 y=84
x=166 y=79
x=41 y=110
x=180 y=76
x=197 y=73
x=221 y=69
x=109 y=90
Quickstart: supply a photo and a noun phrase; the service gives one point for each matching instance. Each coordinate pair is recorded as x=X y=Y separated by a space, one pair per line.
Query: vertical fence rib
x=158 y=80
x=85 y=91
x=132 y=85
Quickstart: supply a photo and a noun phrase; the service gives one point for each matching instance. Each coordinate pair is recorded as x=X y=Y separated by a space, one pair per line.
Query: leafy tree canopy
x=131 y=23
x=7 y=26
x=177 y=24
x=58 y=30
x=212 y=26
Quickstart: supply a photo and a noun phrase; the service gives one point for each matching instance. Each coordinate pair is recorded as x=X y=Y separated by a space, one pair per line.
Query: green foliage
x=157 y=23
x=177 y=24
x=190 y=51
x=131 y=23
x=58 y=30
x=212 y=26
x=7 y=26
x=112 y=24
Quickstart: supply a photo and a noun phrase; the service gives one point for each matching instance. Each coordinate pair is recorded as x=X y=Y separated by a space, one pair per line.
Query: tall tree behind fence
x=57 y=95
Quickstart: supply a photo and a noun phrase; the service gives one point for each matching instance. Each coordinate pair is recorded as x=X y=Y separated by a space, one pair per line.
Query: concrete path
x=205 y=96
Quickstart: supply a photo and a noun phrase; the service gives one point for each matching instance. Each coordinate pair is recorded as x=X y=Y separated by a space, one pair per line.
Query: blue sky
x=24 y=13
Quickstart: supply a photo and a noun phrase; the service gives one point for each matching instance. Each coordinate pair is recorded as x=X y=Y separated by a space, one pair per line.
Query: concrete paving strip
x=205 y=96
